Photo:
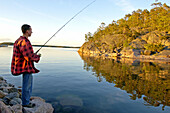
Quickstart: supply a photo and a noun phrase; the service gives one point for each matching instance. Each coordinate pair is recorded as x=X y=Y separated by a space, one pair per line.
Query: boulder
x=147 y=52
x=131 y=53
x=2 y=94
x=164 y=54
x=4 y=108
x=11 y=90
x=15 y=101
x=167 y=42
x=1 y=78
x=17 y=108
x=138 y=43
x=40 y=106
x=11 y=102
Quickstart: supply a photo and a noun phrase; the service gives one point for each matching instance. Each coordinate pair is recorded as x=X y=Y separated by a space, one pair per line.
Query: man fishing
x=24 y=58
x=23 y=63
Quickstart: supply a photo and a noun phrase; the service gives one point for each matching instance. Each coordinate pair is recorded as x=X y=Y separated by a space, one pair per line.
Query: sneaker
x=30 y=105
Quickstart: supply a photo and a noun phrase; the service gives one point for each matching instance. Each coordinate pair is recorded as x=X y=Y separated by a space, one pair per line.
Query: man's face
x=29 y=32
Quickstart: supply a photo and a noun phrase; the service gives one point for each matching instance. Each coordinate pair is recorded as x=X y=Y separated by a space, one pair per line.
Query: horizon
x=46 y=17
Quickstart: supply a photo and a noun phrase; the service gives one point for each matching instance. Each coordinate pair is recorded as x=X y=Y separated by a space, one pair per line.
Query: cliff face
x=152 y=45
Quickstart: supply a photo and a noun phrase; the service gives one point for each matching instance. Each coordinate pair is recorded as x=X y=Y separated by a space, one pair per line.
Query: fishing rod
x=65 y=25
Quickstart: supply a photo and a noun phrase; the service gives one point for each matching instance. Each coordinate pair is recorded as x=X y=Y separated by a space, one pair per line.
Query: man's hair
x=25 y=27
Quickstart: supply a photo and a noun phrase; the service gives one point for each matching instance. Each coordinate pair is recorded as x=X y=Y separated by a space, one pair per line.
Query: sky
x=47 y=16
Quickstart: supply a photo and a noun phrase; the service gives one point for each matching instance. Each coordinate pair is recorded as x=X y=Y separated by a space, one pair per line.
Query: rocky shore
x=134 y=50
x=10 y=100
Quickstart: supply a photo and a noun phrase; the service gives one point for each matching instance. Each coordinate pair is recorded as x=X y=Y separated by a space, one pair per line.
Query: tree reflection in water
x=147 y=80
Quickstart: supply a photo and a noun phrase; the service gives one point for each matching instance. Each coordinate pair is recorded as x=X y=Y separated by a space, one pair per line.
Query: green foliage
x=140 y=22
x=126 y=44
x=154 y=47
x=164 y=37
x=88 y=37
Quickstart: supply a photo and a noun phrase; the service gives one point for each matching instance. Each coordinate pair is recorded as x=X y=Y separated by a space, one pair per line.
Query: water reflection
x=147 y=80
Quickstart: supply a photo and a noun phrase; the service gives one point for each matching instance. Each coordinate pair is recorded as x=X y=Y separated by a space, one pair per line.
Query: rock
x=3 y=84
x=9 y=97
x=138 y=43
x=104 y=55
x=15 y=101
x=156 y=104
x=12 y=95
x=17 y=108
x=2 y=95
x=167 y=42
x=11 y=90
x=33 y=98
x=1 y=78
x=40 y=106
x=5 y=90
x=4 y=108
x=11 y=85
x=70 y=100
x=113 y=54
x=164 y=54
x=12 y=98
x=147 y=52
x=131 y=53
x=68 y=109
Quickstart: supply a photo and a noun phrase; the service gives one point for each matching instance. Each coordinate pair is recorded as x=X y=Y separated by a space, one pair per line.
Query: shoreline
x=151 y=58
x=10 y=100
x=4 y=44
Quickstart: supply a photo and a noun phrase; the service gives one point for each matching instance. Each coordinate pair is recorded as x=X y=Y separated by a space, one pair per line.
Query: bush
x=154 y=47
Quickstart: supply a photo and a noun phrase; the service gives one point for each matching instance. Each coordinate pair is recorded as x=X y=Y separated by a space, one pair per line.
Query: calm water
x=73 y=83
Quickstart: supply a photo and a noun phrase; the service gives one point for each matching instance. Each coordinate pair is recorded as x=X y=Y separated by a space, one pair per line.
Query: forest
x=139 y=23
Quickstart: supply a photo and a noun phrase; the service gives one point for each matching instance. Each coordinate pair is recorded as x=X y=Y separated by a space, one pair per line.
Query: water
x=73 y=83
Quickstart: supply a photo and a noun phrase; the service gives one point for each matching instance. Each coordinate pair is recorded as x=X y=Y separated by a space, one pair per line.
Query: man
x=23 y=63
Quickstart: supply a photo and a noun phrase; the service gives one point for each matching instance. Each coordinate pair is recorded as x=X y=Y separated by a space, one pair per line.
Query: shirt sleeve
x=27 y=51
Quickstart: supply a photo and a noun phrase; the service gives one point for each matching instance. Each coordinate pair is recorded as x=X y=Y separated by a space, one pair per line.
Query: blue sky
x=47 y=16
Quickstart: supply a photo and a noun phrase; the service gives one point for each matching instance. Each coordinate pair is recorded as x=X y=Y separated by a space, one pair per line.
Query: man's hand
x=39 y=54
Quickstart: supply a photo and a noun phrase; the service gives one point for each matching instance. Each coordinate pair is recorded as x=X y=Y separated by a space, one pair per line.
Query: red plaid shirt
x=23 y=57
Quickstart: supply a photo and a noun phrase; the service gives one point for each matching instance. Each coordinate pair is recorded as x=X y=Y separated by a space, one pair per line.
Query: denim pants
x=26 y=88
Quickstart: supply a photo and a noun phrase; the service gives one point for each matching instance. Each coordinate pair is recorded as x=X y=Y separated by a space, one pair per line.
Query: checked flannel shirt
x=23 y=57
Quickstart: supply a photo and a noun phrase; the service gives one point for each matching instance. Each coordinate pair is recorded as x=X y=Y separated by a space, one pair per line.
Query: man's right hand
x=39 y=54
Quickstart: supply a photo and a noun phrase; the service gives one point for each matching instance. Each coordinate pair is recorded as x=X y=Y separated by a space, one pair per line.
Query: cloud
x=124 y=4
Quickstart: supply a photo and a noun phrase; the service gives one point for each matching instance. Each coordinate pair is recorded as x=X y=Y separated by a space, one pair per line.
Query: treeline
x=6 y=43
x=138 y=23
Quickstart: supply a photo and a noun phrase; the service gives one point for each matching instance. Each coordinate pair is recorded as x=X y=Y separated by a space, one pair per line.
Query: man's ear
x=26 y=31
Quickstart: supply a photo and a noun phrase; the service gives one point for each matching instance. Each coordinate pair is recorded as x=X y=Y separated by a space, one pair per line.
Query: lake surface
x=74 y=83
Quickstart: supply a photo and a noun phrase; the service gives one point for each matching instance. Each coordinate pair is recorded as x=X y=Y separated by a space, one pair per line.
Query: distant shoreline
x=6 y=44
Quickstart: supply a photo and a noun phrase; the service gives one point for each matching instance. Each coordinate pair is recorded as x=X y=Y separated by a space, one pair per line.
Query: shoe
x=30 y=105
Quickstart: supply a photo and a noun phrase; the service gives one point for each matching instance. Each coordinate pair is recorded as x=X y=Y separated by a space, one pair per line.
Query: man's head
x=26 y=30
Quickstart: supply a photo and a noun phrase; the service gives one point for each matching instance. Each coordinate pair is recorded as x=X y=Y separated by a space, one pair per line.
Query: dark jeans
x=27 y=88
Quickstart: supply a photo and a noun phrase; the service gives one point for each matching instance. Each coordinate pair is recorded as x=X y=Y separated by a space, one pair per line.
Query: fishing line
x=65 y=25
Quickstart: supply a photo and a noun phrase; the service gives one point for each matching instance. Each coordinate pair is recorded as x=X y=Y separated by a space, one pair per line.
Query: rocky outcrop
x=10 y=101
x=139 y=48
